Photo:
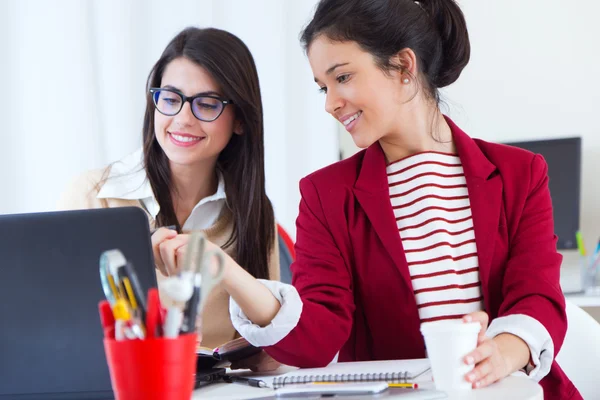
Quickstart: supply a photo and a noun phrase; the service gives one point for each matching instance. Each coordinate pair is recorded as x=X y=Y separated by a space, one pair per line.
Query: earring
x=405 y=81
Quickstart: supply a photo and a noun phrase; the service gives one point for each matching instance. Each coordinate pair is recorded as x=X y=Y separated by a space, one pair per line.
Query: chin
x=362 y=142
x=178 y=158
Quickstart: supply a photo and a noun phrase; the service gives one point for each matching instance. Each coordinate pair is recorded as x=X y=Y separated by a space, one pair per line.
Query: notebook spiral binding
x=389 y=377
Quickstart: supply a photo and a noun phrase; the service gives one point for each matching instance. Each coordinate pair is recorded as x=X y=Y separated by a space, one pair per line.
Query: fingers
x=482 y=318
x=180 y=257
x=267 y=366
x=265 y=363
x=482 y=352
x=488 y=368
x=159 y=237
x=168 y=252
x=482 y=375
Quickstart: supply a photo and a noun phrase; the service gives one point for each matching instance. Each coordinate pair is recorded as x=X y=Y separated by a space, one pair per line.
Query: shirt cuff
x=532 y=332
x=286 y=319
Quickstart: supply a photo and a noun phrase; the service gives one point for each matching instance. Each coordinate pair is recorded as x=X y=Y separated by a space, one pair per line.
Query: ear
x=237 y=128
x=406 y=59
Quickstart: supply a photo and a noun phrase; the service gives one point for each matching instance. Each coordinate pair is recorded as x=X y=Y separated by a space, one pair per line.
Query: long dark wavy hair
x=241 y=163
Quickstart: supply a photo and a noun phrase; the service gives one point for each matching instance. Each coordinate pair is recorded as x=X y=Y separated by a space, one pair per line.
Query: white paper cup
x=447 y=343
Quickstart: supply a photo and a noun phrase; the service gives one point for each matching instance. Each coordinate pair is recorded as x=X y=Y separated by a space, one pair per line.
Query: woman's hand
x=253 y=297
x=166 y=244
x=170 y=249
x=261 y=362
x=495 y=358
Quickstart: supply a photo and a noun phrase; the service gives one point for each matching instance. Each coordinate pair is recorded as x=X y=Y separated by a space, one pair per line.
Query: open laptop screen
x=51 y=338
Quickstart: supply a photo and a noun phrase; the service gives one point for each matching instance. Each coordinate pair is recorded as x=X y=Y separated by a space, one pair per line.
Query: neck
x=422 y=129
x=192 y=183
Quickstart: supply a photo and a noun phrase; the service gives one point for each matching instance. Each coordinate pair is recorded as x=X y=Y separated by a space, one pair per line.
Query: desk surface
x=513 y=387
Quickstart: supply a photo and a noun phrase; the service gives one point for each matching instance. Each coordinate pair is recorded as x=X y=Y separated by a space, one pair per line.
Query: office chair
x=579 y=356
x=286 y=254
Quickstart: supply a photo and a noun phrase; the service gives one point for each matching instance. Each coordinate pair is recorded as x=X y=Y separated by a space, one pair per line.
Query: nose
x=185 y=117
x=333 y=102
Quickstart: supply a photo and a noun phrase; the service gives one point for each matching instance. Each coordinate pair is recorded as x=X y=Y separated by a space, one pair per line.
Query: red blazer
x=351 y=270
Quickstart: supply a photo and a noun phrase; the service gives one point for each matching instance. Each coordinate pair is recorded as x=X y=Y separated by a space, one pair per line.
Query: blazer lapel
x=485 y=196
x=372 y=192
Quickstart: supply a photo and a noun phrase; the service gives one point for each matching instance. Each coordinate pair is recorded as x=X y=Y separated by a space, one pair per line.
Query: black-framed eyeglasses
x=206 y=108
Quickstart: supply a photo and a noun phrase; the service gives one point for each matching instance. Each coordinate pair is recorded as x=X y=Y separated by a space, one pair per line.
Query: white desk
x=513 y=387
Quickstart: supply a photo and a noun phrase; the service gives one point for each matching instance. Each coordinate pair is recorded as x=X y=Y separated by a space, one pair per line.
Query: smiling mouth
x=352 y=118
x=184 y=140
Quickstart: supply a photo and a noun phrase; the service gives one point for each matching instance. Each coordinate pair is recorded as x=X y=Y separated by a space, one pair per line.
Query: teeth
x=352 y=118
x=185 y=138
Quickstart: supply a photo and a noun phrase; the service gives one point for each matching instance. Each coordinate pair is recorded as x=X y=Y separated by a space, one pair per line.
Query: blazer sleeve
x=532 y=278
x=324 y=282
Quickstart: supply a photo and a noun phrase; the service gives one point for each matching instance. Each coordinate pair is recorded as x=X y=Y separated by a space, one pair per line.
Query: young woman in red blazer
x=424 y=224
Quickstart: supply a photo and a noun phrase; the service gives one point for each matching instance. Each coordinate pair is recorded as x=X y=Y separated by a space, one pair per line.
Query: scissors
x=123 y=291
x=196 y=280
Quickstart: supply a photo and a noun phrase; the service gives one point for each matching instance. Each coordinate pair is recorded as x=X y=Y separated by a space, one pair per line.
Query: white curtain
x=74 y=80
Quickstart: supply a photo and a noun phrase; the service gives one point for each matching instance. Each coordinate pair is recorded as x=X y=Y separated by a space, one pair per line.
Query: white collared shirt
x=127 y=180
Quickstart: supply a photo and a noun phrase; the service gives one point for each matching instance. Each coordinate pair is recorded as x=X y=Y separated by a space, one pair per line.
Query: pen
x=191 y=308
x=580 y=244
x=248 y=381
x=391 y=385
x=404 y=385
x=136 y=288
x=153 y=323
x=172 y=322
x=107 y=319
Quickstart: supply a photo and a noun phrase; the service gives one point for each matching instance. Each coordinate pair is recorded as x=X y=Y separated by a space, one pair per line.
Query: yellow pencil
x=392 y=385
x=404 y=385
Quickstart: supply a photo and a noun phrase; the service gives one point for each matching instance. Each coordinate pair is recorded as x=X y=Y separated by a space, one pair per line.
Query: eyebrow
x=207 y=93
x=333 y=68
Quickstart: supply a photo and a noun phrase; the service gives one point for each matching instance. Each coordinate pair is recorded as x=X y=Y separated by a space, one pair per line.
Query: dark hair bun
x=450 y=22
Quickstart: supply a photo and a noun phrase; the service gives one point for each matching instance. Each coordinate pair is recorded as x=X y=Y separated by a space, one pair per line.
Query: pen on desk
x=391 y=385
x=246 y=381
x=404 y=385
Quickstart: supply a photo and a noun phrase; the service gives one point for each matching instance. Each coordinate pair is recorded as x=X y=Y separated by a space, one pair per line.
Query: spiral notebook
x=391 y=371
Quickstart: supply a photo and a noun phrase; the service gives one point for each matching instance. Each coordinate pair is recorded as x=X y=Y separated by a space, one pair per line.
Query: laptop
x=51 y=338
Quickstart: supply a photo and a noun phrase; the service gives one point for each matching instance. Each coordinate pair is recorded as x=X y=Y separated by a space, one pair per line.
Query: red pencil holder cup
x=156 y=368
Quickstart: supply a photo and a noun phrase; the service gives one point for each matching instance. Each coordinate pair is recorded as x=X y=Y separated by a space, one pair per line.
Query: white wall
x=534 y=74
x=74 y=75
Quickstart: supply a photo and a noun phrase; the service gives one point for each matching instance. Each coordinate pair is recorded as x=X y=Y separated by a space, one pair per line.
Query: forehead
x=188 y=77
x=324 y=53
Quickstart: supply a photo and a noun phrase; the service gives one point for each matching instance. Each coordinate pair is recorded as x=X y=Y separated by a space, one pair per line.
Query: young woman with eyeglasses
x=201 y=166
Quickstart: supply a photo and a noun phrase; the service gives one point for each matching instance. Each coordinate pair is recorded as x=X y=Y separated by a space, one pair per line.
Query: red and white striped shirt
x=431 y=204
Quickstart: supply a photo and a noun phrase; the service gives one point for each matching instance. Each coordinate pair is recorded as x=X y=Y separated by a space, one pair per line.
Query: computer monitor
x=564 y=171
